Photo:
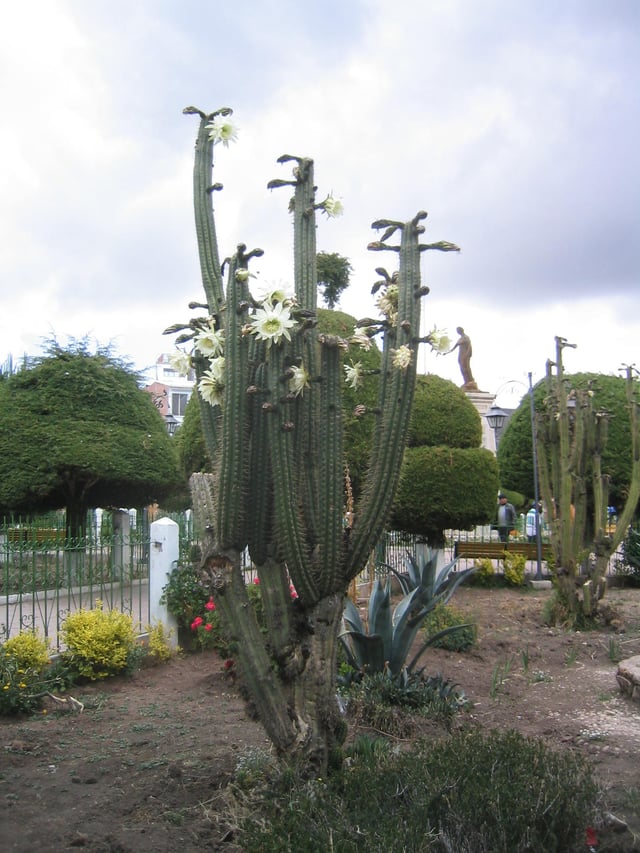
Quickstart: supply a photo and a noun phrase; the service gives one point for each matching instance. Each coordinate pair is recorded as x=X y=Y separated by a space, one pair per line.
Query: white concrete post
x=121 y=544
x=163 y=558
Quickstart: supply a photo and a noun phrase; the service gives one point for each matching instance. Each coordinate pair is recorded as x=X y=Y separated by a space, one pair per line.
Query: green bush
x=448 y=616
x=99 y=643
x=514 y=566
x=485 y=574
x=184 y=595
x=470 y=792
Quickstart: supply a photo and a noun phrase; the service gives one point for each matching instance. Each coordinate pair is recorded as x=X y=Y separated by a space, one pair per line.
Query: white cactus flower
x=222 y=129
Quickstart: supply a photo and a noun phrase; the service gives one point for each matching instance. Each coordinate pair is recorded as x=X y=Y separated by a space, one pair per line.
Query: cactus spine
x=278 y=483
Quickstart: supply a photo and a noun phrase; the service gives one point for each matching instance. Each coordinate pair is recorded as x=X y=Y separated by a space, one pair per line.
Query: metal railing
x=45 y=577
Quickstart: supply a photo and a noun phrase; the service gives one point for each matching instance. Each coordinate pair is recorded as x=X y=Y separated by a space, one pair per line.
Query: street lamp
x=171 y=423
x=496 y=418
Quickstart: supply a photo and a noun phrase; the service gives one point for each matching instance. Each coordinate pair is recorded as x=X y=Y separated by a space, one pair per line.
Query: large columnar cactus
x=571 y=437
x=270 y=390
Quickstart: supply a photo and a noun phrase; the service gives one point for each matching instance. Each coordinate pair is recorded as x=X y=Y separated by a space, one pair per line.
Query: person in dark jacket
x=506 y=518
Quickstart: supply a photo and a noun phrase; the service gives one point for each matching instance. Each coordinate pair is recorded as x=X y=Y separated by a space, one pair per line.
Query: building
x=170 y=391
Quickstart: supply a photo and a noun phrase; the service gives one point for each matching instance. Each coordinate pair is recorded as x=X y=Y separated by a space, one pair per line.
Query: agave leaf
x=351 y=617
x=380 y=622
x=369 y=651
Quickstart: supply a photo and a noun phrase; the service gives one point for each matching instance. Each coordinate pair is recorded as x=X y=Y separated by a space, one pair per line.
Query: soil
x=145 y=766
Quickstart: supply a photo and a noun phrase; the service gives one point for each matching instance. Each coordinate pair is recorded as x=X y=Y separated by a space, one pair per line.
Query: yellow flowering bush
x=28 y=649
x=158 y=646
x=99 y=643
x=514 y=566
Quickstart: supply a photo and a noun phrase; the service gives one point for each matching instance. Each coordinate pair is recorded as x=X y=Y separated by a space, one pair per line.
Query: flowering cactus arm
x=395 y=404
x=205 y=225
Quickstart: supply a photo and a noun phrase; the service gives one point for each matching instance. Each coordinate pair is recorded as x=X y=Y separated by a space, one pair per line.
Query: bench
x=34 y=535
x=496 y=550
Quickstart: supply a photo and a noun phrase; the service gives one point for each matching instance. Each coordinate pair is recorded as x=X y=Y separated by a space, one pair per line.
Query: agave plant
x=384 y=647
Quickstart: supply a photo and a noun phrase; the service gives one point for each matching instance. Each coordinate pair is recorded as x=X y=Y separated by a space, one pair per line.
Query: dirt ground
x=145 y=766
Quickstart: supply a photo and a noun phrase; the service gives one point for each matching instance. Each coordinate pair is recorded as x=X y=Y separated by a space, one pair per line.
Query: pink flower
x=292 y=591
x=256 y=580
x=210 y=605
x=208 y=627
x=196 y=623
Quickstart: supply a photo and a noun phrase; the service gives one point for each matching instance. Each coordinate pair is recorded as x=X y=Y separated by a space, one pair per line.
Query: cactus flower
x=272 y=323
x=361 y=339
x=332 y=207
x=210 y=385
x=210 y=342
x=223 y=130
x=401 y=357
x=299 y=380
x=180 y=362
x=353 y=374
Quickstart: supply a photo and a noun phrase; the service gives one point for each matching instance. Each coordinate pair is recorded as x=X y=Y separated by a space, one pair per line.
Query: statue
x=463 y=345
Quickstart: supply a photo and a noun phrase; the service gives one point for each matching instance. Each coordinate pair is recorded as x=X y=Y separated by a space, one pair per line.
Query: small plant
x=159 y=642
x=514 y=566
x=389 y=705
x=485 y=574
x=447 y=616
x=500 y=676
x=19 y=685
x=526 y=659
x=184 y=595
x=385 y=646
x=99 y=643
x=571 y=656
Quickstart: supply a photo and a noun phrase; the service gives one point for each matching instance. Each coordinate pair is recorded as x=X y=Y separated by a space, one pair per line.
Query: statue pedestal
x=483 y=401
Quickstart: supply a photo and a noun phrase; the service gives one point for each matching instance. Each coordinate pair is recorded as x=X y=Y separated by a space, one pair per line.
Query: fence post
x=163 y=558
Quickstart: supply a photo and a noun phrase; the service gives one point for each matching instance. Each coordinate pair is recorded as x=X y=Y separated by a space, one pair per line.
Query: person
x=506 y=517
x=465 y=351
x=532 y=519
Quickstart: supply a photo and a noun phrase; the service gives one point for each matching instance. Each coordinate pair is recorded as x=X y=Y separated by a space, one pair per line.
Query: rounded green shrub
x=447 y=616
x=28 y=650
x=99 y=643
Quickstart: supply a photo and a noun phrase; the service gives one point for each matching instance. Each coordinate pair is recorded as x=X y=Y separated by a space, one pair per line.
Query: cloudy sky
x=514 y=123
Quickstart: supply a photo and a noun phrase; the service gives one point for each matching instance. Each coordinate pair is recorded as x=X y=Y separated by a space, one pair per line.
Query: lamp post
x=171 y=423
x=496 y=418
x=536 y=496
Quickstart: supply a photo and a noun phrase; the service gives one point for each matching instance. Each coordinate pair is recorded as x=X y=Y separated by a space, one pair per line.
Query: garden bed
x=147 y=763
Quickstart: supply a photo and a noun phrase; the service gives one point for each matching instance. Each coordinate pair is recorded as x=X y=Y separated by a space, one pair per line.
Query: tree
x=77 y=432
x=270 y=387
x=515 y=453
x=334 y=271
x=447 y=480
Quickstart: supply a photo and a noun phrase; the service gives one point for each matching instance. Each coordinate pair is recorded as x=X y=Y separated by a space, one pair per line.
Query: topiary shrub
x=99 y=643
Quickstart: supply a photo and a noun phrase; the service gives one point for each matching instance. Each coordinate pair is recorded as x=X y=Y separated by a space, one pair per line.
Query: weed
x=539 y=676
x=570 y=656
x=524 y=654
x=500 y=676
